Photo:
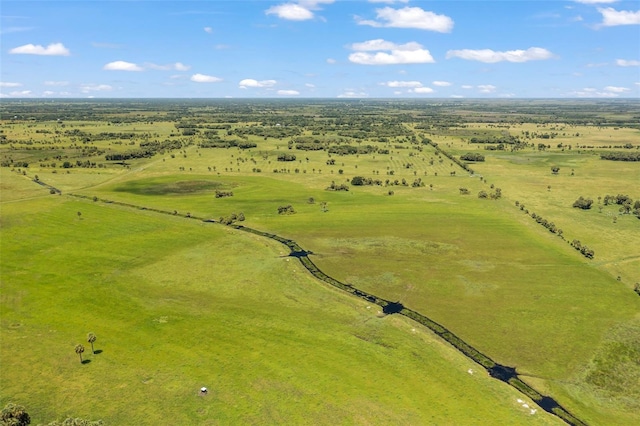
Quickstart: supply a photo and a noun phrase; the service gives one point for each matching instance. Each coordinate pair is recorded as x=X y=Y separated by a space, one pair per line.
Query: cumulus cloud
x=409 y=53
x=56 y=83
x=612 y=17
x=487 y=88
x=441 y=83
x=409 y=17
x=20 y=93
x=352 y=94
x=402 y=84
x=590 y=92
x=87 y=88
x=9 y=84
x=54 y=49
x=627 y=63
x=122 y=66
x=178 y=66
x=299 y=11
x=467 y=86
x=208 y=30
x=250 y=82
x=492 y=56
x=331 y=61
x=615 y=89
x=288 y=92
x=202 y=78
x=422 y=90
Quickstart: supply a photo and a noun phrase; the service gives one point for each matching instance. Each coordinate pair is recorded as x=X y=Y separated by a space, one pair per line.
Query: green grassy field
x=178 y=304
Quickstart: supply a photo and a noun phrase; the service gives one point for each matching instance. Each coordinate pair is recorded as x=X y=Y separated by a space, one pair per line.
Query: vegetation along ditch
x=503 y=373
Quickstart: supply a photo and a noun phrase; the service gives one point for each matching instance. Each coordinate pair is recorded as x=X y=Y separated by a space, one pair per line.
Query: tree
x=15 y=415
x=79 y=215
x=91 y=337
x=79 y=351
x=583 y=203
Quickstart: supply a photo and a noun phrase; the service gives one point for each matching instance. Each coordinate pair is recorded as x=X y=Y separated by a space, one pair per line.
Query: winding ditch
x=504 y=373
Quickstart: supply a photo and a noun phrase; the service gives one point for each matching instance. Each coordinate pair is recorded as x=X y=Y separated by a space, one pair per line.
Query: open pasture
x=481 y=267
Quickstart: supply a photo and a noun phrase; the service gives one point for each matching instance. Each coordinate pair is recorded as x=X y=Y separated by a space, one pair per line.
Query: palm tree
x=79 y=350
x=91 y=337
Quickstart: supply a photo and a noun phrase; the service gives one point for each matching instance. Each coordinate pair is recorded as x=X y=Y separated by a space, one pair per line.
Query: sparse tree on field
x=79 y=215
x=79 y=351
x=91 y=338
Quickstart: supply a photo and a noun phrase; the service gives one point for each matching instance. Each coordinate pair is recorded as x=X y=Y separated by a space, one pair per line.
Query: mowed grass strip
x=177 y=304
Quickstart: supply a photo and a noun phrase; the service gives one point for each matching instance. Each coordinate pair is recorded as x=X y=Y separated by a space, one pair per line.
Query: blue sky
x=320 y=49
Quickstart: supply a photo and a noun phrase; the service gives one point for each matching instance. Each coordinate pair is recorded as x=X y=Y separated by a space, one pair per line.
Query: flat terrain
x=178 y=304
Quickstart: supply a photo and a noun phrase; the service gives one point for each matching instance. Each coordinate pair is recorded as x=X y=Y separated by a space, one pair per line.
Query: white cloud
x=627 y=63
x=54 y=49
x=178 y=66
x=249 y=82
x=492 y=56
x=291 y=12
x=56 y=83
x=612 y=17
x=310 y=85
x=402 y=84
x=615 y=89
x=48 y=93
x=87 y=88
x=409 y=53
x=20 y=93
x=331 y=61
x=202 y=78
x=590 y=92
x=300 y=11
x=487 y=88
x=122 y=66
x=422 y=90
x=208 y=30
x=9 y=84
x=466 y=86
x=352 y=94
x=441 y=83
x=409 y=17
x=288 y=92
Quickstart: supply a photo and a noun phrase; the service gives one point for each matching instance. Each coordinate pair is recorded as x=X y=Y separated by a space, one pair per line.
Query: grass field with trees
x=113 y=219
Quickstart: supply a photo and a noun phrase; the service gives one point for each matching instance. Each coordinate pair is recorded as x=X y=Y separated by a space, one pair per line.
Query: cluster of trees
x=471 y=156
x=621 y=156
x=496 y=194
x=583 y=203
x=219 y=143
x=361 y=181
x=583 y=249
x=627 y=206
x=335 y=187
x=11 y=163
x=286 y=157
x=288 y=209
x=351 y=150
x=16 y=415
x=439 y=150
x=222 y=194
x=232 y=218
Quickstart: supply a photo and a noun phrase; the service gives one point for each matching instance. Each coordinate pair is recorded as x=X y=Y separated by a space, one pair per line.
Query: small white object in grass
x=203 y=389
x=470 y=371
x=525 y=405
x=520 y=401
x=533 y=411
